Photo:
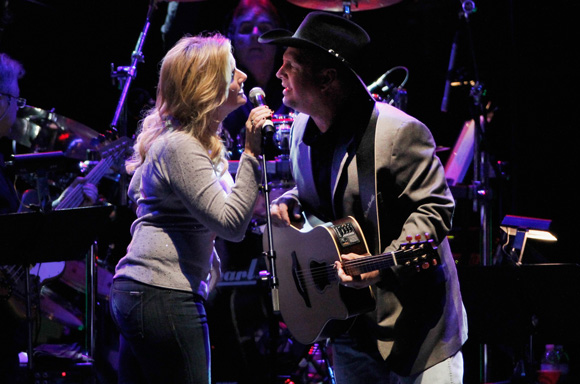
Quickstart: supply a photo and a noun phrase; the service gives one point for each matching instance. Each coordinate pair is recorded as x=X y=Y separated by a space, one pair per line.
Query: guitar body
x=313 y=304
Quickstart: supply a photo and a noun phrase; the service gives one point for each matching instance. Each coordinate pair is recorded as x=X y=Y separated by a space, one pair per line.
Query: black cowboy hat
x=332 y=34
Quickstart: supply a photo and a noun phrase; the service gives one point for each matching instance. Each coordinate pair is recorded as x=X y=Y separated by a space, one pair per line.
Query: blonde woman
x=178 y=184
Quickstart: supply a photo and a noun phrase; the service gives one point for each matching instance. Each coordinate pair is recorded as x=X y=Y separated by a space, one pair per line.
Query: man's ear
x=327 y=77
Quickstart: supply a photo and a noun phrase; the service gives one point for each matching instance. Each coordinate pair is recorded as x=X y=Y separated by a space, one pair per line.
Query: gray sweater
x=181 y=208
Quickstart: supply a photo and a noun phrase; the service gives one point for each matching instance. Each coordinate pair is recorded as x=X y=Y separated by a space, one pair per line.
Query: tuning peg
x=417 y=237
x=427 y=236
x=409 y=238
x=414 y=264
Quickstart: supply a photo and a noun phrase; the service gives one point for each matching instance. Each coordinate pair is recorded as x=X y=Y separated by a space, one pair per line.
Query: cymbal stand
x=126 y=76
x=480 y=156
x=30 y=327
x=481 y=188
x=91 y=300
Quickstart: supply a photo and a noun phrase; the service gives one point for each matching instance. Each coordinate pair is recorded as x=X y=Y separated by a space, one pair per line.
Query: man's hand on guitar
x=357 y=281
x=284 y=210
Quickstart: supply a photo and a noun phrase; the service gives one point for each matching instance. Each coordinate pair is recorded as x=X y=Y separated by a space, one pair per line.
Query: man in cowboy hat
x=353 y=156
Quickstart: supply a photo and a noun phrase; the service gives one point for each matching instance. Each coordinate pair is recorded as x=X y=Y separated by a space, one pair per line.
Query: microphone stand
x=481 y=165
x=126 y=76
x=270 y=254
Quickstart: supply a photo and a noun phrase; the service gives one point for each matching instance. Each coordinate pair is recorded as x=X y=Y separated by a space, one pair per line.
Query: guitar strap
x=367 y=181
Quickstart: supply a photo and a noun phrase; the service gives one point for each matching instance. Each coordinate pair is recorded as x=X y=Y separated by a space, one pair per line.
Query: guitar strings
x=74 y=198
x=327 y=272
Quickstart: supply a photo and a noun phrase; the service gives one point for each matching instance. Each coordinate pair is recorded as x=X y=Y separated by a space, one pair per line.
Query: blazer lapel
x=302 y=163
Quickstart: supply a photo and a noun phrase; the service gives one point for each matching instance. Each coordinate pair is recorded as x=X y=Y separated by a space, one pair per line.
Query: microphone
x=258 y=98
x=44 y=161
x=445 y=100
x=380 y=84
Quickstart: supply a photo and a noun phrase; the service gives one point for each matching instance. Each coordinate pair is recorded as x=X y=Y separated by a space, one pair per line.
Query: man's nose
x=279 y=73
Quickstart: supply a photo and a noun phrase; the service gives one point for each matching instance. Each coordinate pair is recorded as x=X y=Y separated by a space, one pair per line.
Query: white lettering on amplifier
x=244 y=277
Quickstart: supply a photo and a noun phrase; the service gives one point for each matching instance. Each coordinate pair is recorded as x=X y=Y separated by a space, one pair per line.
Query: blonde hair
x=193 y=82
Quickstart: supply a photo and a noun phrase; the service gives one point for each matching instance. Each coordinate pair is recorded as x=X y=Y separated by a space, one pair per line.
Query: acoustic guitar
x=313 y=304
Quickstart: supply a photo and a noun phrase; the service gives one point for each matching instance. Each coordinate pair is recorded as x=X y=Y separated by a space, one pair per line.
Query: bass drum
x=74 y=275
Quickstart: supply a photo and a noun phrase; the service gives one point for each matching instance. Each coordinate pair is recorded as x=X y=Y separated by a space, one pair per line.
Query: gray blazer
x=419 y=319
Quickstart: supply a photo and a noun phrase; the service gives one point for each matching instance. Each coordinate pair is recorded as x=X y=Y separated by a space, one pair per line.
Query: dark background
x=523 y=53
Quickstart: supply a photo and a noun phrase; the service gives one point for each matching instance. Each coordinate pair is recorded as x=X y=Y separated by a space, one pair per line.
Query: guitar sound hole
x=321 y=275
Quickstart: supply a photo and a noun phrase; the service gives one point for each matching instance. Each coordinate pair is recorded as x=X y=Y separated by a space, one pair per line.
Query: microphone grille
x=255 y=92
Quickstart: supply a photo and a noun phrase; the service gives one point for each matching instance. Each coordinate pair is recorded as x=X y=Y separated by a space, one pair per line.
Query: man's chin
x=289 y=102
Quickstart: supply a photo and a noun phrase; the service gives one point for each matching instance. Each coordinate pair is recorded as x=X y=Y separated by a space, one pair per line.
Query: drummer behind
x=249 y=20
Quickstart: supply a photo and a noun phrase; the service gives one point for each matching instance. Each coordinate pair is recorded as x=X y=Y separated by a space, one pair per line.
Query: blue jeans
x=164 y=334
x=356 y=364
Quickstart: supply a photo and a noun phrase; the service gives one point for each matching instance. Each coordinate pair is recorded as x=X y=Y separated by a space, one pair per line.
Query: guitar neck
x=75 y=197
x=369 y=264
x=386 y=260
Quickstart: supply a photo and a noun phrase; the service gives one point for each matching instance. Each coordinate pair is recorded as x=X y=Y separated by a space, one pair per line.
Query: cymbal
x=338 y=5
x=45 y=131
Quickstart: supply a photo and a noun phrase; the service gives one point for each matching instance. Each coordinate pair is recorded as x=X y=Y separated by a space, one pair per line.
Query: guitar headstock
x=419 y=252
x=116 y=147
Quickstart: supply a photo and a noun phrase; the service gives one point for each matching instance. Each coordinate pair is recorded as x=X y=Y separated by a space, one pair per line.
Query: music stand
x=62 y=235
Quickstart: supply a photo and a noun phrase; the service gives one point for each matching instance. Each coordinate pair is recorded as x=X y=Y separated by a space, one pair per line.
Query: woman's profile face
x=236 y=96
